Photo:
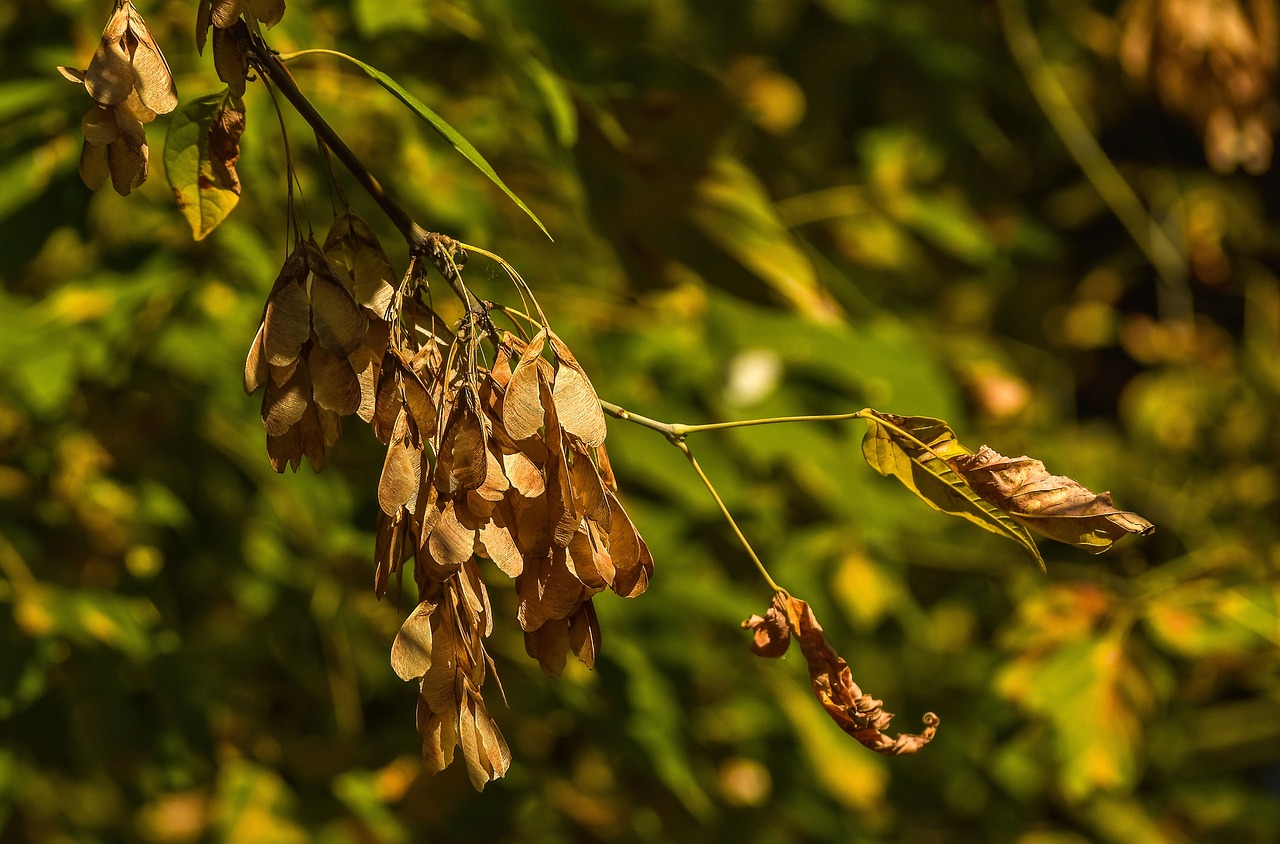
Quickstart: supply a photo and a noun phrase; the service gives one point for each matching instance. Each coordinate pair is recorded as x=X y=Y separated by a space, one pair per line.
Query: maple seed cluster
x=504 y=462
x=1214 y=63
x=130 y=84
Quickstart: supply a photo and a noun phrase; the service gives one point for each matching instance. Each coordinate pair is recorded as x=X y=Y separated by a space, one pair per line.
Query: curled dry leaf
x=858 y=714
x=231 y=56
x=1051 y=505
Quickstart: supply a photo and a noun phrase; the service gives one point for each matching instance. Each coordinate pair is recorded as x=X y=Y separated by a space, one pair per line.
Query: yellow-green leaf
x=204 y=195
x=916 y=451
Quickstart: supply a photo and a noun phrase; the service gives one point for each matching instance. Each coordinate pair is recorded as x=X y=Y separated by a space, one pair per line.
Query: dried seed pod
x=460 y=460
x=284 y=404
x=287 y=318
x=336 y=319
x=401 y=469
x=522 y=408
x=577 y=405
x=411 y=650
x=333 y=382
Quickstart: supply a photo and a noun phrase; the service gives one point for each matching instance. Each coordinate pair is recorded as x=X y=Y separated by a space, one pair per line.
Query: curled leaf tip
x=857 y=713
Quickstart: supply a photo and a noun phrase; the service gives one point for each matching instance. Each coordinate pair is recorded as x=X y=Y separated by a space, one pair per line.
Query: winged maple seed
x=130 y=83
x=504 y=463
x=858 y=714
x=225 y=14
x=1052 y=505
x=302 y=354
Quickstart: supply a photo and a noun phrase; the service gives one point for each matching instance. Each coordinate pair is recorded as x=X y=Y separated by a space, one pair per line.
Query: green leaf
x=437 y=122
x=204 y=198
x=916 y=451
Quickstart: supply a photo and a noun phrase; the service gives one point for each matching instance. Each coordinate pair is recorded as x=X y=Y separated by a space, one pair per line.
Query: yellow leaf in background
x=1077 y=675
x=735 y=212
x=855 y=778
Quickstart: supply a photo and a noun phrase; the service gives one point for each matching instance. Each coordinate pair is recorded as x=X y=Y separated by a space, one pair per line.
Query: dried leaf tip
x=858 y=714
x=1052 y=505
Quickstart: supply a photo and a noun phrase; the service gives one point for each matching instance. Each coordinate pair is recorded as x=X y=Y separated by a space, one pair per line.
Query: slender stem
x=724 y=511
x=773 y=420
x=1106 y=179
x=665 y=428
x=271 y=67
x=436 y=247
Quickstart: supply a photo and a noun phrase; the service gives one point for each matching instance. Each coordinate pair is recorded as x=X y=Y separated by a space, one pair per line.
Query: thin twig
x=1149 y=236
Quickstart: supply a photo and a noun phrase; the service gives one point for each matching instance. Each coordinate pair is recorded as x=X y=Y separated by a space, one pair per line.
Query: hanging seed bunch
x=130 y=84
x=1213 y=62
x=502 y=463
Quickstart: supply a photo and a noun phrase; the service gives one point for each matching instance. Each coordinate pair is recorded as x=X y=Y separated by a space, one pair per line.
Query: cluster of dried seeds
x=504 y=462
x=1214 y=62
x=130 y=83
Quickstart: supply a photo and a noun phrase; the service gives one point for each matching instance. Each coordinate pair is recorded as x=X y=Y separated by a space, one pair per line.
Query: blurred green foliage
x=760 y=208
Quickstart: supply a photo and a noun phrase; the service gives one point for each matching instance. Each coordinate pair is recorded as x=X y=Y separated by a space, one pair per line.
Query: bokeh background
x=759 y=208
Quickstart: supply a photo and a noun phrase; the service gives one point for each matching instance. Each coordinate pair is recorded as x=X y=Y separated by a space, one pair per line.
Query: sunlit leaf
x=461 y=144
x=917 y=450
x=204 y=194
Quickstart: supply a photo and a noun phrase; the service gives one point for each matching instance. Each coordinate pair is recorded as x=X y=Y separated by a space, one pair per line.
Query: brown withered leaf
x=411 y=650
x=111 y=76
x=312 y=436
x=771 y=634
x=128 y=62
x=94 y=169
x=549 y=645
x=577 y=405
x=523 y=475
x=128 y=164
x=231 y=56
x=495 y=484
x=522 y=410
x=858 y=714
x=483 y=747
x=224 y=13
x=1054 y=506
x=388 y=549
x=562 y=507
x=496 y=540
x=628 y=551
x=352 y=244
x=605 y=469
x=589 y=491
x=334 y=385
x=547 y=590
x=580 y=557
x=224 y=145
x=390 y=400
x=285 y=449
